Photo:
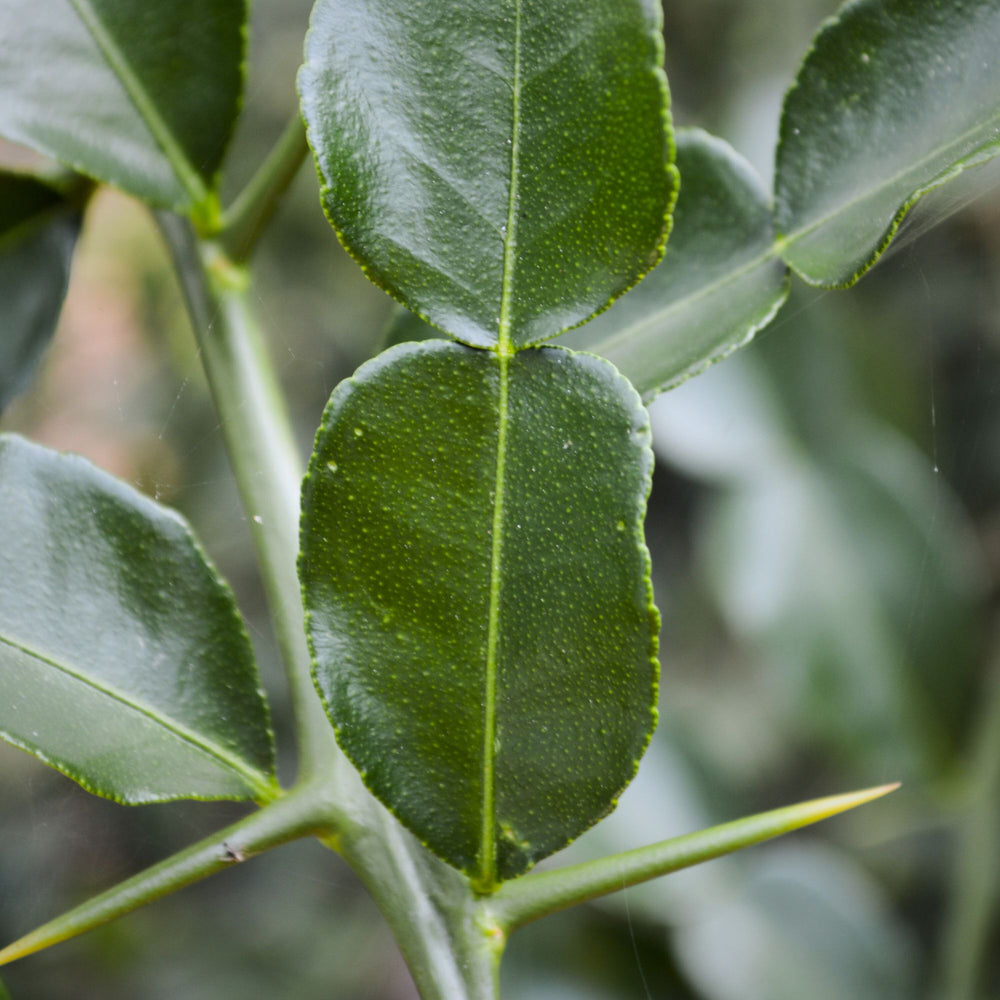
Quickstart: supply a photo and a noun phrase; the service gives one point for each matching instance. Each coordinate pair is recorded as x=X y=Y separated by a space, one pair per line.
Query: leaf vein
x=254 y=778
x=660 y=316
x=137 y=93
x=487 y=848
x=843 y=206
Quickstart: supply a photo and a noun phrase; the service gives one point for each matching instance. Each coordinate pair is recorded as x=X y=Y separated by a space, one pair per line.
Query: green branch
x=976 y=868
x=263 y=454
x=253 y=207
x=427 y=904
x=525 y=899
x=296 y=815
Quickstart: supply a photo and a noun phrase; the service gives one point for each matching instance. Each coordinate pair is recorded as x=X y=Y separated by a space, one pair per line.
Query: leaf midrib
x=256 y=780
x=504 y=351
x=510 y=234
x=189 y=178
x=796 y=235
x=657 y=318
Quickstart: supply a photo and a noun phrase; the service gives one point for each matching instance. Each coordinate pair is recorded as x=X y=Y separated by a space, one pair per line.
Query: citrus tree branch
x=262 y=451
x=245 y=219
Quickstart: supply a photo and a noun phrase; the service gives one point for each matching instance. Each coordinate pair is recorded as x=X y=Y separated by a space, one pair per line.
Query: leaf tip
x=835 y=804
x=19 y=949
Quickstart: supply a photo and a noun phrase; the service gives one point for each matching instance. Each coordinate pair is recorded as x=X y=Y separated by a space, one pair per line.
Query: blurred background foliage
x=825 y=534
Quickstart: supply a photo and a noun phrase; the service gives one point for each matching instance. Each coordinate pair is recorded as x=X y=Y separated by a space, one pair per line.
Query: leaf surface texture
x=504 y=168
x=139 y=95
x=895 y=98
x=481 y=622
x=719 y=282
x=123 y=661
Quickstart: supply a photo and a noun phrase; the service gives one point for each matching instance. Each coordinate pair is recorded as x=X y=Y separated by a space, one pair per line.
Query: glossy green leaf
x=482 y=626
x=38 y=230
x=895 y=97
x=719 y=283
x=502 y=169
x=139 y=95
x=123 y=661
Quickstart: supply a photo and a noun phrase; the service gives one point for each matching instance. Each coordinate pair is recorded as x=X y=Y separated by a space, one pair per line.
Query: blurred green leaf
x=482 y=628
x=141 y=96
x=123 y=661
x=38 y=231
x=806 y=921
x=894 y=98
x=849 y=568
x=503 y=169
x=23 y=199
x=719 y=283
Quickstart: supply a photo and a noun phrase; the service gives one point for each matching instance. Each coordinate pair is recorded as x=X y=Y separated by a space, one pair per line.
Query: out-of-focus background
x=825 y=534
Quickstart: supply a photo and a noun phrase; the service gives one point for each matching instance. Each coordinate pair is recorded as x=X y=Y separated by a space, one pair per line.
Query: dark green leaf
x=895 y=97
x=502 y=168
x=482 y=625
x=719 y=283
x=123 y=661
x=139 y=95
x=23 y=199
x=38 y=230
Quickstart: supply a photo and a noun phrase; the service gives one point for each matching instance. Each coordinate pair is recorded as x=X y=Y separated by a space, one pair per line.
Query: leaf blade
x=417 y=616
x=719 y=283
x=144 y=98
x=125 y=663
x=496 y=188
x=38 y=232
x=895 y=98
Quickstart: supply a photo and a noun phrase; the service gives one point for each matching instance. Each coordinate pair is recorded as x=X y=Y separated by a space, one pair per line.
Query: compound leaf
x=895 y=98
x=123 y=661
x=482 y=626
x=502 y=168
